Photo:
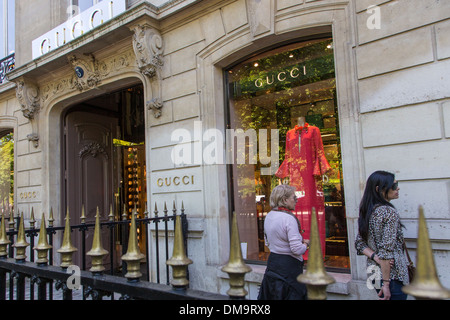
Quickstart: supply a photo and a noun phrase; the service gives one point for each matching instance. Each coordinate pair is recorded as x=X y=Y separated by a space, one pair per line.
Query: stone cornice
x=110 y=32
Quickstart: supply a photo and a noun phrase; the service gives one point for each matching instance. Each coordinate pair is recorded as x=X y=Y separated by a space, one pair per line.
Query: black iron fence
x=21 y=273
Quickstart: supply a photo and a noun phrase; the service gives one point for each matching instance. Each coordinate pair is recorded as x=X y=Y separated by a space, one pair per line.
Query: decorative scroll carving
x=34 y=137
x=155 y=105
x=93 y=149
x=29 y=98
x=148 y=47
x=87 y=71
x=109 y=67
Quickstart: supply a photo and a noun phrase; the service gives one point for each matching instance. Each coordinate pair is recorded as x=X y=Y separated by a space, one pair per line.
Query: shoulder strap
x=407 y=253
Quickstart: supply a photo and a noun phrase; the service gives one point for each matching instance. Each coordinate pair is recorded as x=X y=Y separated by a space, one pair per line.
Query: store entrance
x=105 y=168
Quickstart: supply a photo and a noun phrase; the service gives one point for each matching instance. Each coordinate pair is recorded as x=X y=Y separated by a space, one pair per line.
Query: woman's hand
x=385 y=292
x=378 y=260
x=306 y=241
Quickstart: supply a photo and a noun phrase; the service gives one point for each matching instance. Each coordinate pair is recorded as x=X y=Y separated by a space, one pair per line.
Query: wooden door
x=89 y=175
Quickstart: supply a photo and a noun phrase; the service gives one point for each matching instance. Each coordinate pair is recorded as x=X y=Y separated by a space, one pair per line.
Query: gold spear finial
x=426 y=284
x=111 y=214
x=315 y=277
x=156 y=210
x=42 y=246
x=50 y=218
x=133 y=256
x=67 y=249
x=83 y=216
x=21 y=244
x=32 y=219
x=4 y=241
x=124 y=214
x=179 y=261
x=236 y=268
x=97 y=252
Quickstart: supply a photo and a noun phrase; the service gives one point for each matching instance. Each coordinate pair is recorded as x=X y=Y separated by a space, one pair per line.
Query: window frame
x=227 y=122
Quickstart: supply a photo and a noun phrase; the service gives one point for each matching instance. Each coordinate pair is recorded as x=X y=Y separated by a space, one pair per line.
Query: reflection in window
x=281 y=89
x=79 y=6
x=7 y=27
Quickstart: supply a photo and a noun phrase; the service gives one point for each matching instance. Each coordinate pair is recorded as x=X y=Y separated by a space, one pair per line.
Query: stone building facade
x=174 y=59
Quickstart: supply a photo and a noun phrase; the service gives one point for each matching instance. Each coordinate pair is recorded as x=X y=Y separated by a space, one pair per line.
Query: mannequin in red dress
x=304 y=164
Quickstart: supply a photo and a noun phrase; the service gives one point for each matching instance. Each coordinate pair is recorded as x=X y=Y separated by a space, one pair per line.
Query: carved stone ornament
x=86 y=71
x=155 y=105
x=148 y=47
x=28 y=95
x=34 y=137
x=93 y=149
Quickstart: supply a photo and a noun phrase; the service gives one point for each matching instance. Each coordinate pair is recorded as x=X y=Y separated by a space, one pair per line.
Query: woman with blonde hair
x=282 y=233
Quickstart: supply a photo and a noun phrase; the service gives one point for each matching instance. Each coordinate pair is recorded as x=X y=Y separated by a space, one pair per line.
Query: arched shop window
x=268 y=96
x=6 y=172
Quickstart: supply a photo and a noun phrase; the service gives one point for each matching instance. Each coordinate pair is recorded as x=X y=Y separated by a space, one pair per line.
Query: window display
x=289 y=94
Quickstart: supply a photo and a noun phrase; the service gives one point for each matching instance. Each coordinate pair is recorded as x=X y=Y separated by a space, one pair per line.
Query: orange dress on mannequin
x=304 y=164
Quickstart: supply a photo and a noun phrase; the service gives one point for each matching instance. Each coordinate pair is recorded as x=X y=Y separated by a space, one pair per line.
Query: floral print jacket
x=386 y=239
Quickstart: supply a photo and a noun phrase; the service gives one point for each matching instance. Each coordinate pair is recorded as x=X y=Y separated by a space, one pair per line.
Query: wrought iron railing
x=6 y=65
x=19 y=277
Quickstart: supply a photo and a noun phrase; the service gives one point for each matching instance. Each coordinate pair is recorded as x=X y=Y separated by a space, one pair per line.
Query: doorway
x=105 y=169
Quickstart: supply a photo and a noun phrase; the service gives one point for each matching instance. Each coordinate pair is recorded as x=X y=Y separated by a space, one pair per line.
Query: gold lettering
x=292 y=73
x=175 y=182
x=279 y=78
x=184 y=182
x=160 y=182
x=168 y=183
x=93 y=15
x=43 y=45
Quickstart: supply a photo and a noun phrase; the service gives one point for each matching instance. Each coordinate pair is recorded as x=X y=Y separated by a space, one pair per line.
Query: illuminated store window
x=288 y=93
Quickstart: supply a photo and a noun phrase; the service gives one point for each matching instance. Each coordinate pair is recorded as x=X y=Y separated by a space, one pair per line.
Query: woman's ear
x=376 y=189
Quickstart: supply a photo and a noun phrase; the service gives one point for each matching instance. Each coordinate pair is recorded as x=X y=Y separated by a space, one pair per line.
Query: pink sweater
x=282 y=235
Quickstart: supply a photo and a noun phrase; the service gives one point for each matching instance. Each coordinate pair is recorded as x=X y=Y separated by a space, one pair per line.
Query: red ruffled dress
x=304 y=164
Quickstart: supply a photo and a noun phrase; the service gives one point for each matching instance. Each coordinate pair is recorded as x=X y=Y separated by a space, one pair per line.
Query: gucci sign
x=175 y=181
x=28 y=195
x=77 y=26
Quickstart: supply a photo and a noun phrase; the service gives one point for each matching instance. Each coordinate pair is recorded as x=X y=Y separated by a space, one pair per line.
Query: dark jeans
x=395 y=287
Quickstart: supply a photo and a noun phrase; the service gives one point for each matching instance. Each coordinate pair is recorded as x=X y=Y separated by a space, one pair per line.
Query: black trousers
x=280 y=279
